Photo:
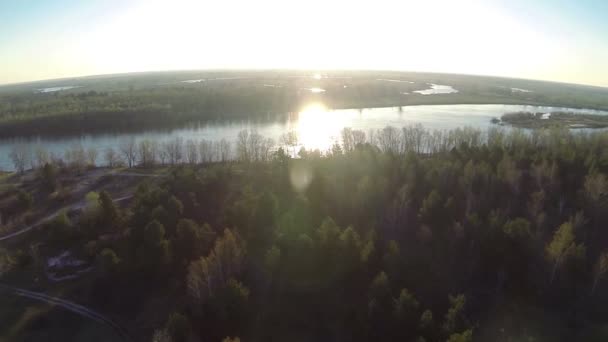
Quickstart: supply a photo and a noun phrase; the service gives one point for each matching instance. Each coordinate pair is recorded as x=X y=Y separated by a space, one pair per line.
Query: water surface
x=315 y=126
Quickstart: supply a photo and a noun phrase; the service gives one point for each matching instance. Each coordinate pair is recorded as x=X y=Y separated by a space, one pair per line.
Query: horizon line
x=295 y=70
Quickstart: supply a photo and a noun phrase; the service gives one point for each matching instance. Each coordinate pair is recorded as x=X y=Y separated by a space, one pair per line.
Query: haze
x=540 y=40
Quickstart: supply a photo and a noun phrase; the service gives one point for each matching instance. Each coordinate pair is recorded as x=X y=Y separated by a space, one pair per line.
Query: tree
x=108 y=261
x=562 y=247
x=231 y=339
x=178 y=326
x=42 y=156
x=600 y=269
x=224 y=149
x=290 y=140
x=205 y=150
x=146 y=152
x=92 y=156
x=454 y=316
x=111 y=158
x=175 y=209
x=161 y=335
x=388 y=140
x=348 y=143
x=596 y=189
x=61 y=229
x=76 y=156
x=426 y=320
x=192 y=152
x=517 y=229
x=465 y=336
x=380 y=290
x=429 y=211
x=272 y=259
x=128 y=148
x=405 y=306
x=174 y=150
x=210 y=274
x=110 y=214
x=20 y=155
x=49 y=177
x=192 y=240
x=154 y=252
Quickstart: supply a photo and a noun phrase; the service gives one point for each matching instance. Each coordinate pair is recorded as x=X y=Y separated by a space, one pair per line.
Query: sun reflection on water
x=318 y=128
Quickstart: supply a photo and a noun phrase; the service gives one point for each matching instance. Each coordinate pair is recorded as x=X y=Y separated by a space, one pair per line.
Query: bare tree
x=348 y=143
x=42 y=156
x=290 y=139
x=358 y=137
x=128 y=149
x=224 y=150
x=388 y=139
x=146 y=152
x=111 y=157
x=174 y=150
x=163 y=155
x=191 y=152
x=92 y=156
x=154 y=151
x=76 y=157
x=205 y=149
x=265 y=149
x=20 y=155
x=242 y=144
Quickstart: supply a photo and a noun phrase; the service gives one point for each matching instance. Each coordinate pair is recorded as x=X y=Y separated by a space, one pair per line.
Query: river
x=316 y=127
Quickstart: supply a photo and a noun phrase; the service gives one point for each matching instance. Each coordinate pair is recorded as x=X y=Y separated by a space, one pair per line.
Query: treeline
x=130 y=105
x=396 y=234
x=251 y=146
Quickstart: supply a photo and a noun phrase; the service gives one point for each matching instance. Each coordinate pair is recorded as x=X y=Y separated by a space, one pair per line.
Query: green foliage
x=406 y=305
x=426 y=320
x=191 y=240
x=454 y=316
x=61 y=228
x=465 y=336
x=110 y=214
x=344 y=258
x=563 y=247
x=108 y=261
x=178 y=326
x=518 y=228
x=380 y=288
x=209 y=275
x=153 y=252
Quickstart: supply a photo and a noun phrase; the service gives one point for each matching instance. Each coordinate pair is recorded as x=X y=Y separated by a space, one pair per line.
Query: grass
x=570 y=120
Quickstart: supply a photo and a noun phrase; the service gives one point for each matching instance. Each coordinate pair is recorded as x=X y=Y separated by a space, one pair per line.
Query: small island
x=559 y=119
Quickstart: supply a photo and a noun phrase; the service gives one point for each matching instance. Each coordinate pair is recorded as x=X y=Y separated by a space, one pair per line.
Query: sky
x=557 y=40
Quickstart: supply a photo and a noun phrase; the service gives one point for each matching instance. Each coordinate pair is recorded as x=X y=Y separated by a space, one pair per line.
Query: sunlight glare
x=317 y=128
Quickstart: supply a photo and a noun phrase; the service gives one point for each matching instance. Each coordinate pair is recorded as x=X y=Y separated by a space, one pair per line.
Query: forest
x=394 y=235
x=136 y=102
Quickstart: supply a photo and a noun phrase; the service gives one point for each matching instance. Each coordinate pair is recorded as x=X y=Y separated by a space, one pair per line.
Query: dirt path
x=76 y=206
x=73 y=307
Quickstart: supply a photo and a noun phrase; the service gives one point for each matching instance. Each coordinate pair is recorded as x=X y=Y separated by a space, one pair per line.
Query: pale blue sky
x=555 y=40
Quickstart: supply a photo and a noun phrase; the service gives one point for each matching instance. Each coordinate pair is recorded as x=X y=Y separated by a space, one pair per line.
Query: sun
x=318 y=128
